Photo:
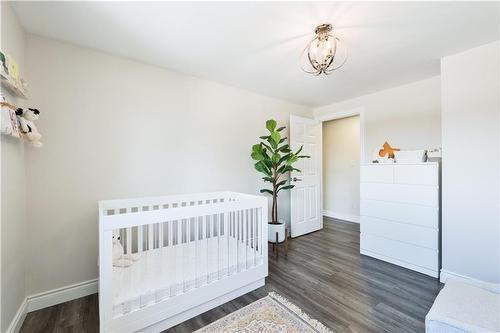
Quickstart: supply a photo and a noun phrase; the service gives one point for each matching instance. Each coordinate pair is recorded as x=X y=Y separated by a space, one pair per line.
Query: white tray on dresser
x=400 y=214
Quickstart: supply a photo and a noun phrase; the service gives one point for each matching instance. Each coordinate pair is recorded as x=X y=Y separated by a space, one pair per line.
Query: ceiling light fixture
x=322 y=52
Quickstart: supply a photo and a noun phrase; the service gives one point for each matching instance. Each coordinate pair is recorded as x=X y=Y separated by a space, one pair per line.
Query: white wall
x=407 y=116
x=341 y=168
x=470 y=119
x=115 y=128
x=13 y=196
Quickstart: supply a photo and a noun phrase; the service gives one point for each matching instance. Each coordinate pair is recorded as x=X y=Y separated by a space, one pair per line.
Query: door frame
x=358 y=111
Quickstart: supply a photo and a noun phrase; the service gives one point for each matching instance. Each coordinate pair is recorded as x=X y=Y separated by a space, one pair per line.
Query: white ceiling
x=257 y=45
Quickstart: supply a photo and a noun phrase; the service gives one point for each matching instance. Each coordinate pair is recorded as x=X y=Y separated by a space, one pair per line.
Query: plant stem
x=274 y=212
x=276 y=209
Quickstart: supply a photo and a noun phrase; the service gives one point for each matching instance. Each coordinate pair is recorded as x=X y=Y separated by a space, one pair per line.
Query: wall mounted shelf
x=12 y=87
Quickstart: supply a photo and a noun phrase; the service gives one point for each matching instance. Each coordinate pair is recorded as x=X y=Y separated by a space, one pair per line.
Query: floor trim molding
x=445 y=275
x=61 y=295
x=17 y=321
x=340 y=216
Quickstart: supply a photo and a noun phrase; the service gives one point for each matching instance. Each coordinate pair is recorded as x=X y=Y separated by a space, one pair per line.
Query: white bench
x=462 y=307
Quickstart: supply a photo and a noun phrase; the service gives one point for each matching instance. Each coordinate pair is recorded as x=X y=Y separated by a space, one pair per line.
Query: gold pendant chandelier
x=322 y=55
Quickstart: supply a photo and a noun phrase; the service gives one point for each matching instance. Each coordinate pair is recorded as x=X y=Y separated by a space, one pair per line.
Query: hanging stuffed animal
x=120 y=259
x=27 y=119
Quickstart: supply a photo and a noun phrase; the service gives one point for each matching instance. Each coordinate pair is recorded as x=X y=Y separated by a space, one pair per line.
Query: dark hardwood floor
x=323 y=274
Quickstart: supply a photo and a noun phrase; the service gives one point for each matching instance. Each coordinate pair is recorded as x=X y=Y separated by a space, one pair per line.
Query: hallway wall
x=341 y=158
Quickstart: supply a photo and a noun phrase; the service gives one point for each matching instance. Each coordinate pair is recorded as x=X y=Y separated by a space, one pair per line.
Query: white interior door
x=306 y=205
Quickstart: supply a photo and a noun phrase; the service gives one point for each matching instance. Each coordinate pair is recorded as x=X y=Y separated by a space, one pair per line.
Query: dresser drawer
x=405 y=252
x=407 y=233
x=406 y=213
x=421 y=174
x=376 y=174
x=410 y=194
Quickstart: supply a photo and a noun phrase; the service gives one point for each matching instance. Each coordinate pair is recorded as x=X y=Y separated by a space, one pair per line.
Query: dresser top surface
x=395 y=164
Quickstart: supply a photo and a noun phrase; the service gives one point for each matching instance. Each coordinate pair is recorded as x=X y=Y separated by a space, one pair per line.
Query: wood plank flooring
x=323 y=274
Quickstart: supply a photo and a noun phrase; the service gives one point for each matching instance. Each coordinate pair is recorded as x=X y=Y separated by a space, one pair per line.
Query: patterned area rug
x=270 y=314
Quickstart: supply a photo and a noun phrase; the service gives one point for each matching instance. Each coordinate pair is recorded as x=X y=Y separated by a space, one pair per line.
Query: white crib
x=194 y=253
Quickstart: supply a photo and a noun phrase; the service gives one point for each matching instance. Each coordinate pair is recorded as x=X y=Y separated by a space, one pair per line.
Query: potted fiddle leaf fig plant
x=275 y=160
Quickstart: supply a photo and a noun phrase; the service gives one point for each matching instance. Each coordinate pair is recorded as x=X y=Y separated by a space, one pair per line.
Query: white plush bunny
x=120 y=259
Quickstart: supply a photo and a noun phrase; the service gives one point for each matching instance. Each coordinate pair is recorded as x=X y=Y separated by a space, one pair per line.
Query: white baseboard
x=445 y=275
x=49 y=298
x=339 y=216
x=17 y=322
x=61 y=295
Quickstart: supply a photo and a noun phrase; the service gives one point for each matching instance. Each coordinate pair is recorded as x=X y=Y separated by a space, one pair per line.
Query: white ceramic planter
x=272 y=229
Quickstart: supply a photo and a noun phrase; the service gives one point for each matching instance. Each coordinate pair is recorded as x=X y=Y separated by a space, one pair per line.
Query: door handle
x=295 y=179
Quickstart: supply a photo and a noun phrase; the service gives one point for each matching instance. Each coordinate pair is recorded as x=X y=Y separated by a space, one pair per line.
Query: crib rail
x=174 y=245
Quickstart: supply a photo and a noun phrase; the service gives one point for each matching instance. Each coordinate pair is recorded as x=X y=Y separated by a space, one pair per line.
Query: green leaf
x=280 y=129
x=276 y=158
x=257 y=147
x=303 y=156
x=284 y=148
x=268 y=162
x=266 y=145
x=283 y=182
x=292 y=160
x=258 y=153
x=273 y=144
x=287 y=187
x=257 y=156
x=268 y=179
x=264 y=137
x=298 y=151
x=275 y=136
x=261 y=167
x=284 y=158
x=283 y=139
x=266 y=191
x=271 y=125
x=287 y=168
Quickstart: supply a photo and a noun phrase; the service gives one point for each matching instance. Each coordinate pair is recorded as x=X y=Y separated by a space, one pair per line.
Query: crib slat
x=234 y=240
x=254 y=220
x=161 y=244
x=244 y=240
x=205 y=221
x=226 y=242
x=247 y=232
x=128 y=237
x=150 y=236
x=260 y=223
x=180 y=255
x=196 y=244
x=188 y=245
x=238 y=222
x=161 y=235
x=170 y=256
x=140 y=238
x=218 y=247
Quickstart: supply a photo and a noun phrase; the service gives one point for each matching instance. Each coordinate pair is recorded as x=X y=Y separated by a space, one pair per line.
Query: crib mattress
x=169 y=271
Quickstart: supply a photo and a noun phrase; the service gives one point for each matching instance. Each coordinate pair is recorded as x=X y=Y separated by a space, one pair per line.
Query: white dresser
x=400 y=216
